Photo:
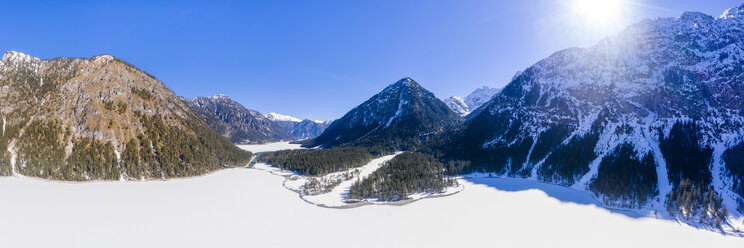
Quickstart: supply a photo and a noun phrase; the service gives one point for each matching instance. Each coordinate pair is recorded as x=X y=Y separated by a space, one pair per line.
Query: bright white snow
x=279 y=117
x=270 y=147
x=250 y=208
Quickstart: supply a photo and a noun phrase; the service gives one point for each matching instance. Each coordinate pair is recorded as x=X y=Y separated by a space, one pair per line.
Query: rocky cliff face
x=100 y=118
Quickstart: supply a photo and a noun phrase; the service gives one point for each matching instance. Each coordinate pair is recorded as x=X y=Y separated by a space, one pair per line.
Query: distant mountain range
x=100 y=118
x=298 y=128
x=463 y=106
x=245 y=126
x=237 y=123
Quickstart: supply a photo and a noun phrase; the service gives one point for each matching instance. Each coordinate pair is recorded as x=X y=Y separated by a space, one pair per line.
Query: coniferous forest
x=625 y=179
x=160 y=153
x=690 y=199
x=405 y=174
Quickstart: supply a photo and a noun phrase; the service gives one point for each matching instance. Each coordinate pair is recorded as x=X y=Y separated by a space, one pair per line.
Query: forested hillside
x=100 y=119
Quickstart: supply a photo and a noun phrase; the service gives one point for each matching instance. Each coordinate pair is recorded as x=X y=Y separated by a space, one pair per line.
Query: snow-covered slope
x=298 y=128
x=628 y=119
x=279 y=117
x=471 y=102
x=458 y=105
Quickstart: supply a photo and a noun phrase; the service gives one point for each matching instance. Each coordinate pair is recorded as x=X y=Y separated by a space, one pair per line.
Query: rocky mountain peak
x=733 y=12
x=11 y=57
x=403 y=111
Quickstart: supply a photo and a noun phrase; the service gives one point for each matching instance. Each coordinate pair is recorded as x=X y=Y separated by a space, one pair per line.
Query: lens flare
x=599 y=13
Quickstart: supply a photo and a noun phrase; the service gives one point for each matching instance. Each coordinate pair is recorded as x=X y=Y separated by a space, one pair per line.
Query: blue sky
x=317 y=59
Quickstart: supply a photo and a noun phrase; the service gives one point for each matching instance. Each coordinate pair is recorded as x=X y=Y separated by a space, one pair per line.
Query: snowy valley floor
x=250 y=208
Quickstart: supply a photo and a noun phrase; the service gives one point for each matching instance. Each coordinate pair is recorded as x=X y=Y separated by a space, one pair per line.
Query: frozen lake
x=250 y=208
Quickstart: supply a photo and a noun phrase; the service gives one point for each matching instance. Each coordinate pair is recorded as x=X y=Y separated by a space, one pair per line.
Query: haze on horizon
x=317 y=60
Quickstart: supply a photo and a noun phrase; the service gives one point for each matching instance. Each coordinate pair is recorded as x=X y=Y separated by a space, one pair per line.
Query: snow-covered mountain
x=279 y=117
x=403 y=115
x=100 y=119
x=237 y=123
x=458 y=105
x=650 y=118
x=471 y=102
x=298 y=128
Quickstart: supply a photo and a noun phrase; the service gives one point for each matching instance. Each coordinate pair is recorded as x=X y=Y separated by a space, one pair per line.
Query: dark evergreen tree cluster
x=734 y=159
x=405 y=174
x=568 y=162
x=41 y=149
x=685 y=157
x=91 y=159
x=691 y=199
x=323 y=161
x=625 y=178
x=548 y=140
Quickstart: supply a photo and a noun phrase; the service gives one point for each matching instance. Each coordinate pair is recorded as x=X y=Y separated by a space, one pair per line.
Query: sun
x=600 y=13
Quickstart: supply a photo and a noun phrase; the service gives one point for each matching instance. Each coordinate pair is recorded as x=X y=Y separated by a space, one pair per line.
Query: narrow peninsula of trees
x=405 y=174
x=323 y=161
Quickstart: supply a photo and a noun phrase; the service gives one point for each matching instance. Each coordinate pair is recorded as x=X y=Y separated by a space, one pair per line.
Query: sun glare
x=600 y=13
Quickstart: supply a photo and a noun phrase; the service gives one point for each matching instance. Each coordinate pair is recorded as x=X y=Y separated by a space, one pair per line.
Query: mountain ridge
x=90 y=119
x=661 y=95
x=240 y=125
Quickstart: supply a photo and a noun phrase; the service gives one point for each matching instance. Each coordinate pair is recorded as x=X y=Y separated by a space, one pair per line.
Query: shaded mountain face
x=664 y=96
x=403 y=115
x=471 y=102
x=299 y=129
x=235 y=122
x=100 y=118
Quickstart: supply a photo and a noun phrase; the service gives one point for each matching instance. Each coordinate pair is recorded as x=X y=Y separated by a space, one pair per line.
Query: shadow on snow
x=561 y=193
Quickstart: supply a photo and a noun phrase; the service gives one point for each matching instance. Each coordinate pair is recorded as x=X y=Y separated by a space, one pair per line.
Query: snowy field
x=250 y=208
x=270 y=147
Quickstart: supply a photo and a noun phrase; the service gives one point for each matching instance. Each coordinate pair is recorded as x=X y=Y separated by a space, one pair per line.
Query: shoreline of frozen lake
x=250 y=208
x=245 y=207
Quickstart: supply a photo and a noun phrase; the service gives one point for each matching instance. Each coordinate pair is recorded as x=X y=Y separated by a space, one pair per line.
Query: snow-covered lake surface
x=270 y=147
x=250 y=208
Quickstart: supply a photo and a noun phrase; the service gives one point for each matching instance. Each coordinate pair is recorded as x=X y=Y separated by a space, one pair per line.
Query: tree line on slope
x=405 y=174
